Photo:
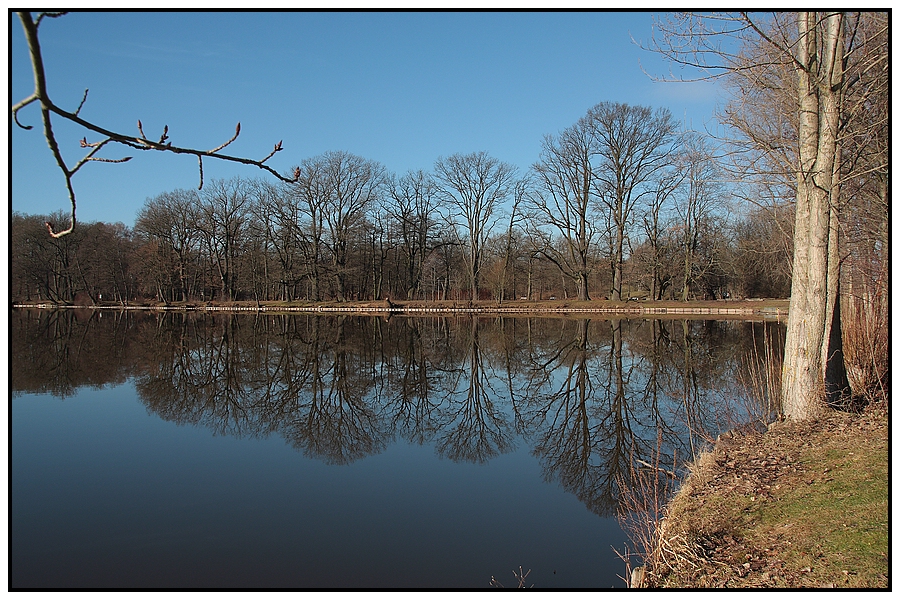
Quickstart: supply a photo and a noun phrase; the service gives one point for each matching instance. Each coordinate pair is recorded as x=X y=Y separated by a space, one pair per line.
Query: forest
x=584 y=222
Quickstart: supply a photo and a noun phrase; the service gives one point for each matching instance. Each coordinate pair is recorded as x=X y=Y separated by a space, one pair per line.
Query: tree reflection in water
x=591 y=398
x=471 y=426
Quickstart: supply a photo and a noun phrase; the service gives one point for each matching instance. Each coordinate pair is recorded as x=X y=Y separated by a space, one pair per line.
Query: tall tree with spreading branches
x=563 y=201
x=823 y=56
x=634 y=144
x=474 y=186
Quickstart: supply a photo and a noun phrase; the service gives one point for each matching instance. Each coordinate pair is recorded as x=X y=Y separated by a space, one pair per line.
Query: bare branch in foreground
x=41 y=95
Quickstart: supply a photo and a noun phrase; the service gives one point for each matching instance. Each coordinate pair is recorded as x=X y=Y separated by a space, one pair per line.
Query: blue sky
x=399 y=88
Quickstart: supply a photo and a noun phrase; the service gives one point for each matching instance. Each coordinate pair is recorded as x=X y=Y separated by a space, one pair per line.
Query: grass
x=840 y=521
x=802 y=505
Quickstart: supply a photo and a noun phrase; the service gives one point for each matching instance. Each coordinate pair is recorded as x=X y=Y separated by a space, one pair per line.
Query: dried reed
x=761 y=380
x=866 y=338
x=641 y=512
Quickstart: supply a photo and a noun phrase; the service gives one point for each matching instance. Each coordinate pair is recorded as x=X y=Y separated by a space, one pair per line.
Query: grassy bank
x=800 y=505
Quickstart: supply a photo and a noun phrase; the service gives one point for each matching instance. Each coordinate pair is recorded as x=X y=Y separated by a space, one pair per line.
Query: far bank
x=768 y=309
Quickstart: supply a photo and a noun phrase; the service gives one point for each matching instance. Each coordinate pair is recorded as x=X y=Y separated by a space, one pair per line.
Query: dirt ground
x=748 y=516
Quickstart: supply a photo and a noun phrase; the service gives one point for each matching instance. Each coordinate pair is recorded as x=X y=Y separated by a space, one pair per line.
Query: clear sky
x=402 y=88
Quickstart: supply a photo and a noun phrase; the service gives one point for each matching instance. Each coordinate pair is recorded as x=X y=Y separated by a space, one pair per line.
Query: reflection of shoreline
x=776 y=310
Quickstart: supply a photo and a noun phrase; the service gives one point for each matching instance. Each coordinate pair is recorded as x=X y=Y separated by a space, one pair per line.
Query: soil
x=730 y=525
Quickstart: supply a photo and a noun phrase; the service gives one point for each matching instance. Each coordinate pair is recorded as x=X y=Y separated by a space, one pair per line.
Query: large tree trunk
x=814 y=308
x=619 y=259
x=581 y=285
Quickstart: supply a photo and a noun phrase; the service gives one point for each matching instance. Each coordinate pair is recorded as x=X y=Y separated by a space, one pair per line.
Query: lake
x=178 y=450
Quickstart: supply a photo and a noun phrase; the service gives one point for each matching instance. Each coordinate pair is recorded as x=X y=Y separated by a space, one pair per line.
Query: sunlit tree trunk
x=811 y=351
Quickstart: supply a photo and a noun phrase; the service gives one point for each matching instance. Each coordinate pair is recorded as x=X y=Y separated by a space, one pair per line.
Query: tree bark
x=813 y=330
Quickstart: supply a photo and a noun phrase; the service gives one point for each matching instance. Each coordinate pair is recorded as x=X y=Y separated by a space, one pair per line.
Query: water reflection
x=590 y=398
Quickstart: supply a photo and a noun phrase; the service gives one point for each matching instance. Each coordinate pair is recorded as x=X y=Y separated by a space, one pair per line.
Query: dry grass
x=866 y=336
x=642 y=502
x=802 y=505
x=761 y=379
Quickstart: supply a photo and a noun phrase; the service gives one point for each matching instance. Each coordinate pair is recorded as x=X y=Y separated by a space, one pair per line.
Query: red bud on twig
x=237 y=132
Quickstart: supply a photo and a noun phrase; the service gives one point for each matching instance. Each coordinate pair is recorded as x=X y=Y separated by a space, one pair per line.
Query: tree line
x=619 y=205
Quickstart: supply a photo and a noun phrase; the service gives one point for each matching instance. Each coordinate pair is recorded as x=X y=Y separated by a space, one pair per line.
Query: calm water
x=307 y=452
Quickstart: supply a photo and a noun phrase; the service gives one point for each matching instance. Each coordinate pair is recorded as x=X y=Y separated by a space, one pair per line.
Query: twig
x=520 y=577
x=655 y=468
x=141 y=142
x=237 y=132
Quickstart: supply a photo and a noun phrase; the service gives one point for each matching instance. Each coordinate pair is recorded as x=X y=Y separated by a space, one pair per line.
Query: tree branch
x=139 y=143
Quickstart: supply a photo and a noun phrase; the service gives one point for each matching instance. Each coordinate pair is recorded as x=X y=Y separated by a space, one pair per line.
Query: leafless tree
x=138 y=142
x=762 y=252
x=564 y=202
x=225 y=210
x=411 y=203
x=633 y=143
x=354 y=185
x=34 y=272
x=172 y=218
x=654 y=224
x=473 y=186
x=309 y=195
x=826 y=55
x=276 y=217
x=508 y=240
x=701 y=190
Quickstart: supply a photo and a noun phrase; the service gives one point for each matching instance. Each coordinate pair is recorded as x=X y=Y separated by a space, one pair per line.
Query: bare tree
x=354 y=184
x=821 y=52
x=139 y=142
x=634 y=143
x=864 y=213
x=654 y=225
x=276 y=215
x=509 y=240
x=694 y=206
x=172 y=218
x=763 y=244
x=564 y=200
x=474 y=185
x=309 y=194
x=36 y=271
x=411 y=203
x=225 y=210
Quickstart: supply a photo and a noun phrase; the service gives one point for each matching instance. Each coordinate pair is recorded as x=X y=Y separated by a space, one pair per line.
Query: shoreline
x=776 y=310
x=793 y=505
